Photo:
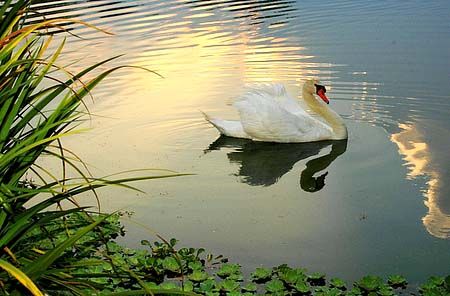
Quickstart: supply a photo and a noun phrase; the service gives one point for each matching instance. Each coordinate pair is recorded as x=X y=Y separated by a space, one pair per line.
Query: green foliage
x=292 y=276
x=250 y=287
x=274 y=286
x=171 y=264
x=198 y=276
x=337 y=283
x=302 y=287
x=397 y=281
x=370 y=283
x=261 y=274
x=228 y=285
x=436 y=286
x=227 y=270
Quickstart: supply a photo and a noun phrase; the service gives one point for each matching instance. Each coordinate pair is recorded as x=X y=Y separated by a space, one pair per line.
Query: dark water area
x=378 y=203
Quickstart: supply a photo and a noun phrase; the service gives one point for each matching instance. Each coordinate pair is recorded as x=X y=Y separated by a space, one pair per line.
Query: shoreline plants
x=49 y=248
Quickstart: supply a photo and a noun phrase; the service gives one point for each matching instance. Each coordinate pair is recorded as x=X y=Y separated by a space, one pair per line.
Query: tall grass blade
x=21 y=277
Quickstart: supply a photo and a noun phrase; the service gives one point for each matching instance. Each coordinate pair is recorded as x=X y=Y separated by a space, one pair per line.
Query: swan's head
x=313 y=87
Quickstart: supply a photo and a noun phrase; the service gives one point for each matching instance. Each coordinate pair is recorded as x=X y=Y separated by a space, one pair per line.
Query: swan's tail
x=230 y=128
x=207 y=117
x=214 y=122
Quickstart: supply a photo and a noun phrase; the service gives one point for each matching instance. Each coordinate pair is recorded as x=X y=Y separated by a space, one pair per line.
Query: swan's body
x=268 y=113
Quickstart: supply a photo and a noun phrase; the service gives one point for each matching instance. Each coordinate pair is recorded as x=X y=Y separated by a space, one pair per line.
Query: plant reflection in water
x=263 y=164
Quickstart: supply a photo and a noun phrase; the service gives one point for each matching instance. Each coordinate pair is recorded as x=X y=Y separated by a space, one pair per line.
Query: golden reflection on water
x=417 y=155
x=206 y=57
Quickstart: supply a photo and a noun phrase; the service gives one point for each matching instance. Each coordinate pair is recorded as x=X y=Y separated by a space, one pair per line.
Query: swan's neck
x=332 y=118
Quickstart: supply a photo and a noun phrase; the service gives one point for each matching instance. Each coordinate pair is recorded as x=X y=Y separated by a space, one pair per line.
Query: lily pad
x=292 y=276
x=195 y=265
x=274 y=285
x=316 y=279
x=207 y=286
x=447 y=283
x=302 y=287
x=228 y=269
x=324 y=291
x=236 y=277
x=436 y=280
x=397 y=281
x=198 y=276
x=250 y=287
x=386 y=290
x=169 y=286
x=370 y=283
x=355 y=291
x=261 y=274
x=188 y=286
x=337 y=283
x=171 y=264
x=229 y=285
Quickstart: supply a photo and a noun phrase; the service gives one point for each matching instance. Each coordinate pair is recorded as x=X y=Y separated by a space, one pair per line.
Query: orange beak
x=322 y=95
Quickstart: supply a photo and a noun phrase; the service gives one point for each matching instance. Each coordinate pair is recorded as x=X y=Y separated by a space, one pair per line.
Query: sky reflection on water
x=386 y=65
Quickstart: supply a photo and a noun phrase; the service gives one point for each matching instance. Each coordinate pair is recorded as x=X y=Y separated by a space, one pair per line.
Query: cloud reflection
x=417 y=155
x=263 y=164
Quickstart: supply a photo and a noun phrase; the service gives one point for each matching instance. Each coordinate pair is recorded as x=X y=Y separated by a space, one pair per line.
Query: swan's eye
x=320 y=87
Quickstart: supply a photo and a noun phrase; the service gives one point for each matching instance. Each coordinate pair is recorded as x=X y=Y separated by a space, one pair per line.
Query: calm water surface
x=379 y=203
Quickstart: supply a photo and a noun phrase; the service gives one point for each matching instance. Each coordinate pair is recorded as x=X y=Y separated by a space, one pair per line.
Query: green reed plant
x=40 y=103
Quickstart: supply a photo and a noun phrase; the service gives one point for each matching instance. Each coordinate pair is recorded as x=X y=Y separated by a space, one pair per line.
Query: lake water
x=379 y=203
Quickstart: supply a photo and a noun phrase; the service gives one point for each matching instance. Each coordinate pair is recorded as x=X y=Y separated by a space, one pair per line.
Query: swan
x=269 y=114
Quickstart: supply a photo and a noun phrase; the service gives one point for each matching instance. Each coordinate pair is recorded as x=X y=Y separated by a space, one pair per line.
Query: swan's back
x=269 y=113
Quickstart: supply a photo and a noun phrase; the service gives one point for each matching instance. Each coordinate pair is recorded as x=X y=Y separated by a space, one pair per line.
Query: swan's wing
x=278 y=92
x=264 y=117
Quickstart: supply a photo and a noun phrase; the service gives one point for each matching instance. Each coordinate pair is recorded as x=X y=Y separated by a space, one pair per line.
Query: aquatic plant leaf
x=292 y=276
x=316 y=279
x=195 y=265
x=436 y=280
x=274 y=285
x=447 y=283
x=228 y=285
x=385 y=290
x=228 y=269
x=188 y=286
x=169 y=286
x=337 y=283
x=261 y=274
x=355 y=291
x=198 y=276
x=316 y=276
x=236 y=277
x=302 y=287
x=207 y=286
x=397 y=281
x=370 y=283
x=171 y=264
x=324 y=291
x=250 y=287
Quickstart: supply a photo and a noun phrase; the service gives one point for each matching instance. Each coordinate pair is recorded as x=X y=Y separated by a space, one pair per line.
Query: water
x=378 y=203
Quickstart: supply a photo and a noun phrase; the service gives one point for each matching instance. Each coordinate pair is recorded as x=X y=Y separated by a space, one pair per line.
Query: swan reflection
x=263 y=164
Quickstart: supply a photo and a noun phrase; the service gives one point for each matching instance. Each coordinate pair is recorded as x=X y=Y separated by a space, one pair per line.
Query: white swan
x=268 y=113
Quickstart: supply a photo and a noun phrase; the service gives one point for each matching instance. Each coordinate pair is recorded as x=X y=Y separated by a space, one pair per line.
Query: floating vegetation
x=163 y=268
